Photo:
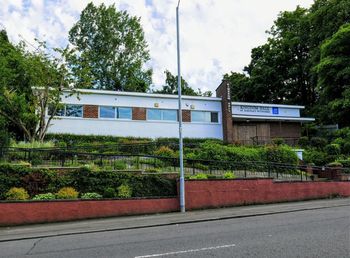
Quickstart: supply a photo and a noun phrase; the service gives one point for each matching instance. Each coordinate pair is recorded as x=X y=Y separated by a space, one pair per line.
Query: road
x=312 y=233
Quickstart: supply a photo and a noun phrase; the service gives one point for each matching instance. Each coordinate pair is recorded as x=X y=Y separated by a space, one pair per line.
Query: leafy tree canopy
x=170 y=87
x=109 y=46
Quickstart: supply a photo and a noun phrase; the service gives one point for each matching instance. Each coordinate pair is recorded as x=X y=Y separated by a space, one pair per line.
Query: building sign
x=275 y=110
x=254 y=109
x=264 y=110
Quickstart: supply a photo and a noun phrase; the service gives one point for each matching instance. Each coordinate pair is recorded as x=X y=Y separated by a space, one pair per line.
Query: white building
x=100 y=112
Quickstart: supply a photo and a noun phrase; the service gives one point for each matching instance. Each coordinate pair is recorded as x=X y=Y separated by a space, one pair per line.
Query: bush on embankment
x=84 y=180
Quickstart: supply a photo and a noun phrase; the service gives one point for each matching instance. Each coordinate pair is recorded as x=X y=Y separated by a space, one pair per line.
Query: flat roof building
x=101 y=112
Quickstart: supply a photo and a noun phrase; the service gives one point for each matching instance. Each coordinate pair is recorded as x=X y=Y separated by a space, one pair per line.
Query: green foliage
x=119 y=165
x=109 y=46
x=165 y=151
x=124 y=191
x=278 y=141
x=333 y=149
x=46 y=196
x=229 y=175
x=303 y=141
x=335 y=164
x=199 y=176
x=318 y=142
x=30 y=83
x=91 y=196
x=170 y=87
x=281 y=154
x=315 y=156
x=109 y=192
x=67 y=193
x=16 y=193
x=334 y=77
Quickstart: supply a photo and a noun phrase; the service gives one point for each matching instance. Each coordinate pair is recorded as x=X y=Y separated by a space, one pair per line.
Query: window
x=162 y=114
x=74 y=110
x=204 y=116
x=124 y=113
x=107 y=112
x=59 y=111
x=115 y=112
x=169 y=115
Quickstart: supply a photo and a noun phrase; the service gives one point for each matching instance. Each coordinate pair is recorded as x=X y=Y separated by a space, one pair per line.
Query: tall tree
x=110 y=45
x=30 y=83
x=170 y=87
x=334 y=77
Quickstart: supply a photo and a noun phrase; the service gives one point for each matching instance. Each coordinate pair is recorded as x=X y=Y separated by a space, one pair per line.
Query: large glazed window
x=204 y=116
x=124 y=113
x=74 y=110
x=107 y=112
x=162 y=114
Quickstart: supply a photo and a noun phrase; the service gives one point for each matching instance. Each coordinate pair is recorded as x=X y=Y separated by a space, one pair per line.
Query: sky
x=216 y=36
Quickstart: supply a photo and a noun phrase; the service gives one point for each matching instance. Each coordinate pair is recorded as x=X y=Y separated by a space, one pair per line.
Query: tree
x=31 y=82
x=334 y=77
x=170 y=87
x=241 y=87
x=111 y=47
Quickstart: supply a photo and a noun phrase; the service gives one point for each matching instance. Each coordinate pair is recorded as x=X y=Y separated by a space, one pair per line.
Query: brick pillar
x=224 y=92
x=138 y=113
x=90 y=111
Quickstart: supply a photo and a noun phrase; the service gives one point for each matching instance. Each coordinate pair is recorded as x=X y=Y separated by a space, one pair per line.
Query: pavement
x=158 y=220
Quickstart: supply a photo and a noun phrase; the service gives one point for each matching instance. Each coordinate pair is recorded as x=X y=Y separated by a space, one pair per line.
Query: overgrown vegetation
x=68 y=184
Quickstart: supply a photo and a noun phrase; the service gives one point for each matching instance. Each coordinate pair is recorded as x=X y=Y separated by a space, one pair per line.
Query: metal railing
x=62 y=157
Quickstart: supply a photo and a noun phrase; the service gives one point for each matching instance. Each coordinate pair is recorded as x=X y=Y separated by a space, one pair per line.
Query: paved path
x=318 y=229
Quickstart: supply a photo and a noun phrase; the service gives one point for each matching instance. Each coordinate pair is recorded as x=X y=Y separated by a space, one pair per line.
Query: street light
x=182 y=178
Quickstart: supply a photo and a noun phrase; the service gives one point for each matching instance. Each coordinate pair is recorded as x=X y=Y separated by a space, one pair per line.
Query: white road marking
x=187 y=251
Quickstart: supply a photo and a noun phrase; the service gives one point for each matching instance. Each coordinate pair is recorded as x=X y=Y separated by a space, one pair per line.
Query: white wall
x=149 y=129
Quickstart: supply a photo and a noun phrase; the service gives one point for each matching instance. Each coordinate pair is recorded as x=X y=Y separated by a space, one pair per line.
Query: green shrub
x=303 y=141
x=318 y=142
x=281 y=154
x=199 y=176
x=335 y=164
x=119 y=165
x=165 y=151
x=109 y=193
x=344 y=162
x=67 y=193
x=16 y=193
x=278 y=141
x=333 y=149
x=229 y=175
x=11 y=176
x=124 y=191
x=91 y=196
x=314 y=156
x=46 y=196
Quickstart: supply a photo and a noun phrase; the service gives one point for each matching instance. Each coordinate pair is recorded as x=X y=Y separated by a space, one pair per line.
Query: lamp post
x=182 y=178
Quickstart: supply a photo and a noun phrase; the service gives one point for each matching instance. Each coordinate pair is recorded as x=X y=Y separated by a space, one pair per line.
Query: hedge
x=38 y=181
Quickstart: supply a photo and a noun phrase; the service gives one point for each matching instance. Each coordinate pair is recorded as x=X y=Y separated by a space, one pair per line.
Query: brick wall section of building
x=90 y=111
x=223 y=91
x=138 y=113
x=186 y=115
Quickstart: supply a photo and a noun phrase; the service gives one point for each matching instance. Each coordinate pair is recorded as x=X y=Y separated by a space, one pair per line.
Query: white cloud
x=216 y=36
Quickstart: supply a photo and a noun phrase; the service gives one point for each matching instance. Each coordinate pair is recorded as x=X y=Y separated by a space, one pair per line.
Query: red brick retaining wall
x=200 y=194
x=219 y=193
x=17 y=213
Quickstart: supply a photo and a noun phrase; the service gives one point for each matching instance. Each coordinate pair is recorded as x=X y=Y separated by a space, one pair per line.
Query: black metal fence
x=62 y=157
